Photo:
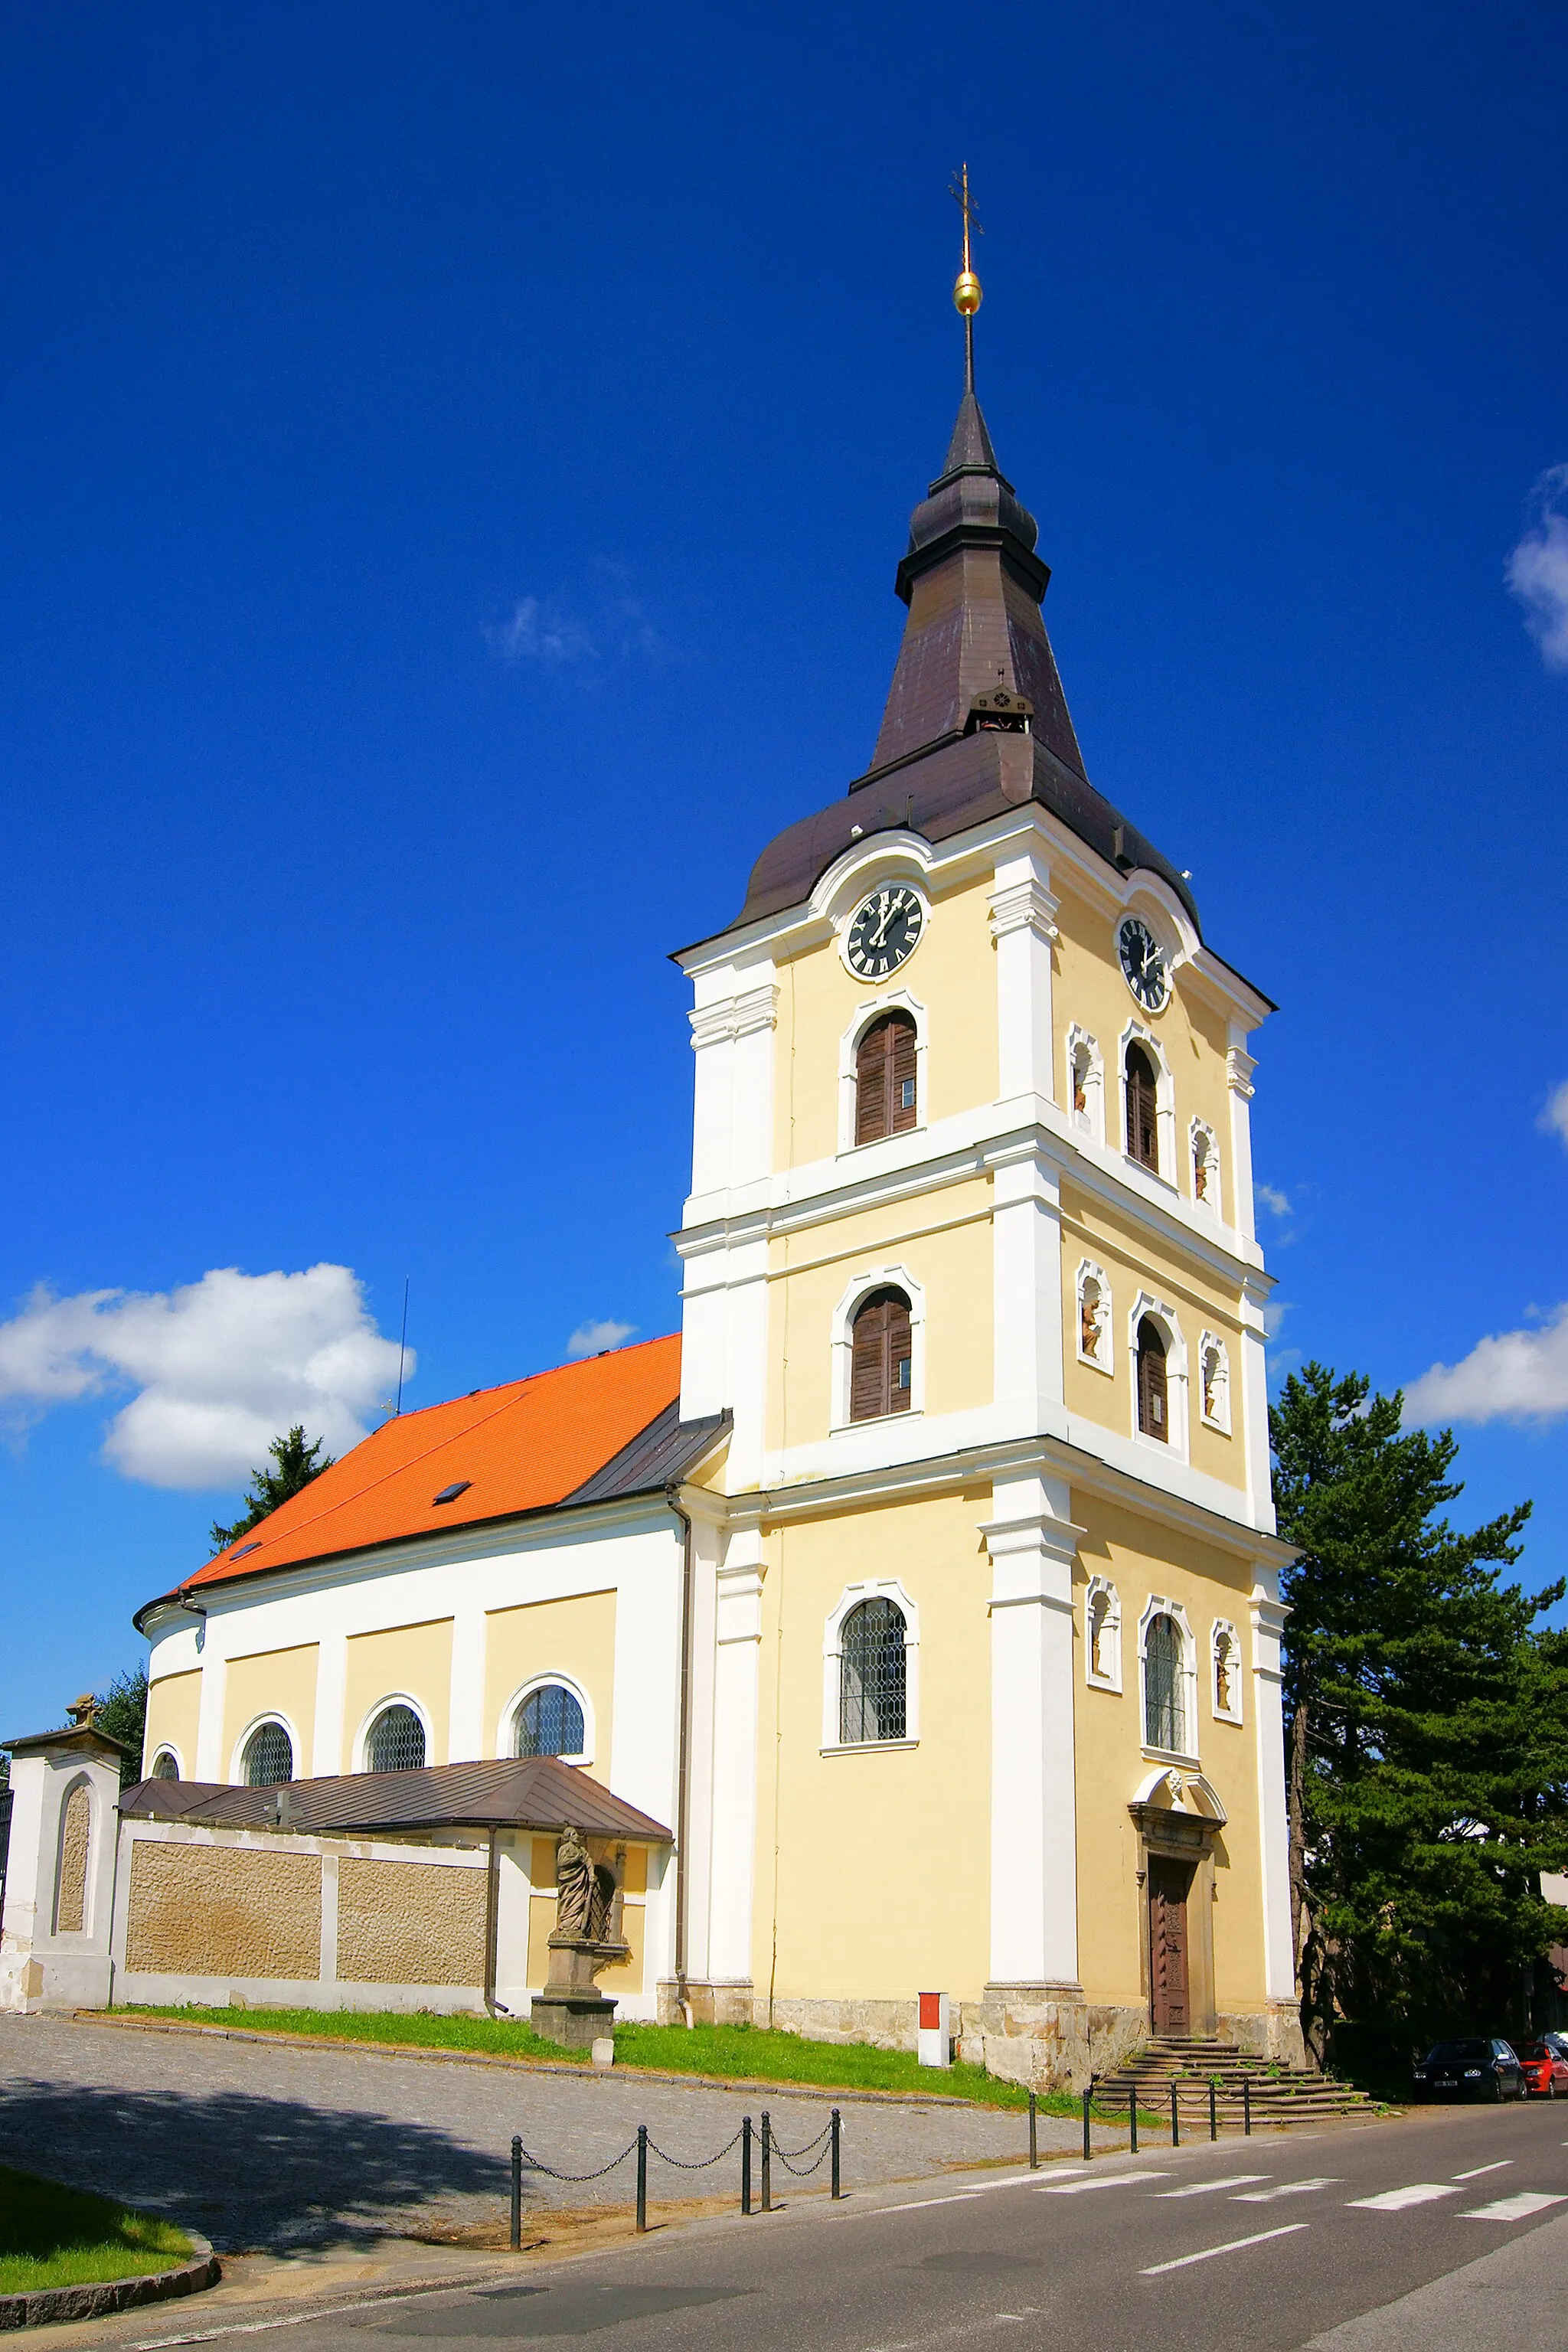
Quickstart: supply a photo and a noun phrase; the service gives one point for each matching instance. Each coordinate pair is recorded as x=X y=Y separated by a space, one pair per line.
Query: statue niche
x=588 y=1937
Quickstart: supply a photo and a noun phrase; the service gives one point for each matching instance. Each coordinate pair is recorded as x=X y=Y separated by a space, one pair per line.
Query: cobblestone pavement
x=263 y=2145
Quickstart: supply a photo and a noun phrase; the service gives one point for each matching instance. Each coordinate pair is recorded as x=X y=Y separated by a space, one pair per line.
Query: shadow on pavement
x=248 y=2171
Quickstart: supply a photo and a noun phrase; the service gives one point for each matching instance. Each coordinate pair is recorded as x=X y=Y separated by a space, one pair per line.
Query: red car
x=1544 y=2068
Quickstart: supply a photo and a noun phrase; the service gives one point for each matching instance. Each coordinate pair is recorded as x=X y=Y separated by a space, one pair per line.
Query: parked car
x=1543 y=2066
x=1470 y=2069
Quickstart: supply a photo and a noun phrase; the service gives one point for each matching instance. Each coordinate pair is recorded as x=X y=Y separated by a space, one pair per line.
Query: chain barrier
x=829 y=2142
x=697 y=2164
x=537 y=2164
x=821 y=2144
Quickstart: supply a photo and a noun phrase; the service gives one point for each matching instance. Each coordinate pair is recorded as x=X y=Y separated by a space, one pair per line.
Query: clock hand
x=886 y=919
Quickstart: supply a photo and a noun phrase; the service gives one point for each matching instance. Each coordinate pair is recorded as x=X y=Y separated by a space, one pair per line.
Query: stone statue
x=575 y=1884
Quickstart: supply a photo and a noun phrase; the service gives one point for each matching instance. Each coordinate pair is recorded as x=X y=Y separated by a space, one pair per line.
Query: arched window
x=883 y=1354
x=269 y=1757
x=1165 y=1698
x=885 y=1078
x=550 y=1723
x=873 y=1675
x=1142 y=1132
x=165 y=1765
x=396 y=1742
x=1154 y=1401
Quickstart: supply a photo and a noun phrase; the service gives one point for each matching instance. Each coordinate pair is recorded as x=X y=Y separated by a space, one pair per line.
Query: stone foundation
x=711 y=2004
x=1273 y=2034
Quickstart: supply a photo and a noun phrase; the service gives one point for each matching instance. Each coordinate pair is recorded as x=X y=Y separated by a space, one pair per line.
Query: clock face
x=1143 y=961
x=885 y=932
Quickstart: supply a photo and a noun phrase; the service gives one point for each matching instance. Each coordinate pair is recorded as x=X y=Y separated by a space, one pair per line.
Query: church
x=917 y=1606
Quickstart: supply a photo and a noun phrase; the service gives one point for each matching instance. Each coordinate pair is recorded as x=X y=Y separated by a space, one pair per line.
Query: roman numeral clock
x=884 y=931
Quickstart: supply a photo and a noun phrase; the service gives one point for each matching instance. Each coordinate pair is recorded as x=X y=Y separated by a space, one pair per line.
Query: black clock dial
x=1143 y=962
x=885 y=932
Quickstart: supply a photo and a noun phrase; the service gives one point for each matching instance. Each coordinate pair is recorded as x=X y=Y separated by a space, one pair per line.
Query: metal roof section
x=534 y=1792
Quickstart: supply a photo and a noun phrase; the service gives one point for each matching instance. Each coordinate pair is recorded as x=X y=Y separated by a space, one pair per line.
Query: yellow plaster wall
x=1141 y=1557
x=876 y=1863
x=173 y=1715
x=272 y=1682
x=944 y=1238
x=413 y=1658
x=1135 y=1259
x=1090 y=991
x=575 y=1637
x=952 y=973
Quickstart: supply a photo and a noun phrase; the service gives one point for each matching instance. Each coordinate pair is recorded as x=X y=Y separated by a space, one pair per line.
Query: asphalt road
x=1445 y=2230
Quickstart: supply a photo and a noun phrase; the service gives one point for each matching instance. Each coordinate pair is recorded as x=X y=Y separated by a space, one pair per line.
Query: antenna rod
x=402 y=1347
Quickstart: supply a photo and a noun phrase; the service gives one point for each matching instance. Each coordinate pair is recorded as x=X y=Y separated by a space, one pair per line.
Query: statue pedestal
x=571 y=2009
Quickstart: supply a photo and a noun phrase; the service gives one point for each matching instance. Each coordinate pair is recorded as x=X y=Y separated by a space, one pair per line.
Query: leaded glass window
x=550 y=1723
x=1164 y=1704
x=165 y=1767
x=397 y=1742
x=873 y=1673
x=269 y=1757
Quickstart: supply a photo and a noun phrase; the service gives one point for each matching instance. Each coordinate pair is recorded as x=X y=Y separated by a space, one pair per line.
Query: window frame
x=257 y=1722
x=1157 y=1311
x=850 y=1600
x=853 y=1297
x=1138 y=1033
x=165 y=1748
x=373 y=1717
x=506 y=1728
x=1160 y=1605
x=866 y=1014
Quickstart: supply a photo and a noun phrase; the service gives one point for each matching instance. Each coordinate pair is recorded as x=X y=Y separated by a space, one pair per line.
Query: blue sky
x=455 y=462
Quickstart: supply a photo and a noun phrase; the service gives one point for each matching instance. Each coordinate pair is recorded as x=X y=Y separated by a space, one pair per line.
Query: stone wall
x=407 y=1923
x=228 y=1911
x=75 y=1831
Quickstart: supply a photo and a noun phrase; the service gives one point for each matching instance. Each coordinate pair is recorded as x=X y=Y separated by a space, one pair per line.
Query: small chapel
x=908 y=1623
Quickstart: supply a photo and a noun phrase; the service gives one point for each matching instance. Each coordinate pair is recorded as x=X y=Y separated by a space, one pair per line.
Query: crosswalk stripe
x=1511 y=2209
x=1233 y=2246
x=1208 y=2187
x=1394 y=2201
x=1285 y=2189
x=1103 y=2181
x=1475 y=2170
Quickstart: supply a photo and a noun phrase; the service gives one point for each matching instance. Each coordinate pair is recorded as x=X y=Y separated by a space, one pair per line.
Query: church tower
x=984 y=1646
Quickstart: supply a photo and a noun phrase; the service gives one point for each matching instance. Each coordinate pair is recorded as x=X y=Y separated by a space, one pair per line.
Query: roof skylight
x=450 y=1494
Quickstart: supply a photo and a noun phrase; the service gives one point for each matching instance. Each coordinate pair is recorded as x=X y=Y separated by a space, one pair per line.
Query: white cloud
x=1537 y=570
x=539 y=630
x=591 y=1338
x=220 y=1368
x=1511 y=1376
x=1554 y=1117
x=1278 y=1204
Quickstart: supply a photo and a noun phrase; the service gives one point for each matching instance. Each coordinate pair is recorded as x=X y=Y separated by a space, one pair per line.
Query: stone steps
x=1188 y=2064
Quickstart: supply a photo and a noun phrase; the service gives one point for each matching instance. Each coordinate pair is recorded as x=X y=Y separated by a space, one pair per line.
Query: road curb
x=57 y=2303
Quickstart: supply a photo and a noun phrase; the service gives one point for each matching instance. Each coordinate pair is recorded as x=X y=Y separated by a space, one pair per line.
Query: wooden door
x=1169 y=1881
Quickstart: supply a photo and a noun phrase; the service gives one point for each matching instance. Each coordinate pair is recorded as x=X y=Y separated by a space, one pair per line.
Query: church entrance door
x=1169 y=1881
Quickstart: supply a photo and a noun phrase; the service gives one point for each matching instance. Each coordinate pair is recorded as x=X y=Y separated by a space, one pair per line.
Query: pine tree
x=1427 y=1730
x=297 y=1465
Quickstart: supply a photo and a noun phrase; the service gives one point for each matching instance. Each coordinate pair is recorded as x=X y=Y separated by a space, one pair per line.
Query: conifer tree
x=1427 y=1730
x=297 y=1465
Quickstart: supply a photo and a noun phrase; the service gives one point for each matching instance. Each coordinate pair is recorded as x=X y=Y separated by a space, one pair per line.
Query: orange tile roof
x=521 y=1447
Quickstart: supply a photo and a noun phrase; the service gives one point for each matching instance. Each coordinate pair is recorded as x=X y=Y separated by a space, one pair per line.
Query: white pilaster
x=1253 y=1389
x=1032 y=1543
x=210 y=1763
x=331 y=1686
x=1023 y=926
x=1026 y=1290
x=707 y=1546
x=1267 y=1714
x=737 y=1648
x=469 y=1737
x=1239 y=1066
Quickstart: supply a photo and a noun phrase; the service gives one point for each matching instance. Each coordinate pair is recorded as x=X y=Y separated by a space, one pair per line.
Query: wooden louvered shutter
x=880 y=1357
x=884 y=1078
x=1154 y=1409
x=1142 y=1136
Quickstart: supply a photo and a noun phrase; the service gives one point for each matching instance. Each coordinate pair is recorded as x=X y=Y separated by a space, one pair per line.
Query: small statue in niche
x=575 y=1887
x=1201 y=1171
x=1221 y=1679
x=1089 y=1320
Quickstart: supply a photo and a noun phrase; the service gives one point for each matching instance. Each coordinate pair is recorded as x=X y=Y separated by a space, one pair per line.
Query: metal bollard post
x=516 y=2196
x=1133 y=2120
x=642 y=2178
x=1034 y=2133
x=1088 y=2150
x=745 y=2164
x=835 y=2129
x=767 y=2164
x=1246 y=2105
x=1213 y=2111
x=1175 y=2119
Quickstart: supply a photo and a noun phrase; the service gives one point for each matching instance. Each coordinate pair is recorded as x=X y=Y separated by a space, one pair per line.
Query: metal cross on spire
x=966 y=294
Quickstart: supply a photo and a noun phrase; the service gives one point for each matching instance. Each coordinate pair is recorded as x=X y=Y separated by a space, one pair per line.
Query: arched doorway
x=1170 y=1997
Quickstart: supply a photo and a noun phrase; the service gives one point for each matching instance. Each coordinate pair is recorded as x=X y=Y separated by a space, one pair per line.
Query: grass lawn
x=731 y=2050
x=51 y=2236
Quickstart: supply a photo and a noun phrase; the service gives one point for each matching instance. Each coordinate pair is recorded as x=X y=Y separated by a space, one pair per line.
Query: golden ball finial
x=966 y=296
